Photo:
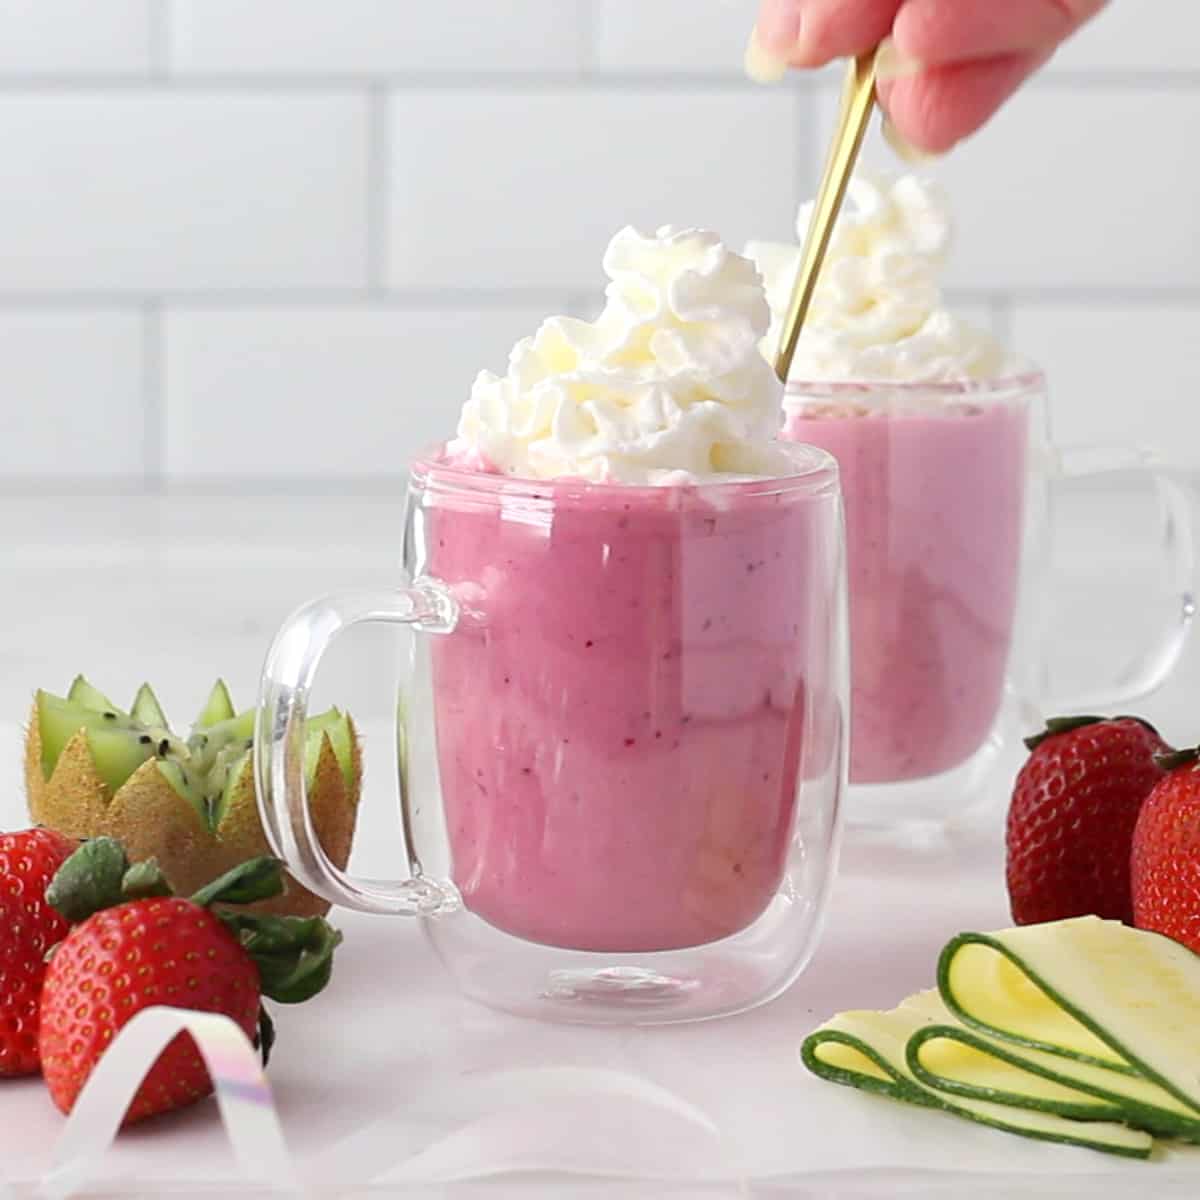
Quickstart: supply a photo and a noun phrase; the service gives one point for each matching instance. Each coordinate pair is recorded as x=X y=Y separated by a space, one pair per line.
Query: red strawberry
x=1070 y=824
x=155 y=949
x=28 y=928
x=1166 y=854
x=124 y=959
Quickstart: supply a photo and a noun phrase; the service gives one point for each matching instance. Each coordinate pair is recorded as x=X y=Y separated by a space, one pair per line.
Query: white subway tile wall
x=549 y=177
x=159 y=192
x=62 y=37
x=670 y=36
x=381 y=37
x=1150 y=35
x=1119 y=373
x=322 y=393
x=269 y=243
x=1068 y=188
x=72 y=395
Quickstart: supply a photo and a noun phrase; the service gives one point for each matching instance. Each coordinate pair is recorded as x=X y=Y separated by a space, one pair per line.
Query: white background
x=269 y=242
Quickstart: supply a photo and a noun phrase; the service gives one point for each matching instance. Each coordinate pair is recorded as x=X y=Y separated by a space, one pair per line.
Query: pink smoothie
x=623 y=723
x=934 y=511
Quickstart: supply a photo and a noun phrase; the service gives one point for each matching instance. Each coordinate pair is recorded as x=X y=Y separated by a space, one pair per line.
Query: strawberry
x=1071 y=820
x=136 y=946
x=1166 y=854
x=28 y=928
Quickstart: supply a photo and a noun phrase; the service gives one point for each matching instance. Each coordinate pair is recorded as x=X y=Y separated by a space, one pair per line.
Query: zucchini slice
x=868 y=1050
x=954 y=1059
x=1093 y=993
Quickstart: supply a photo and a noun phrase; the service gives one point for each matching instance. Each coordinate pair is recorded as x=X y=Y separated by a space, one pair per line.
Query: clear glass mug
x=950 y=493
x=622 y=737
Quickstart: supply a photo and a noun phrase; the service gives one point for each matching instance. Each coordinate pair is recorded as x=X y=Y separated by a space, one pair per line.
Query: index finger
x=810 y=33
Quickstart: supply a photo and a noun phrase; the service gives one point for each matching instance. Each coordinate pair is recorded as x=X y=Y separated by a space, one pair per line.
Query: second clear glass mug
x=949 y=492
x=622 y=743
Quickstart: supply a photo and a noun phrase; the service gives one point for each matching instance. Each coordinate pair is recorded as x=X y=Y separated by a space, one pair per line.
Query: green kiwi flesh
x=336 y=724
x=202 y=770
x=82 y=693
x=218 y=707
x=116 y=750
x=146 y=709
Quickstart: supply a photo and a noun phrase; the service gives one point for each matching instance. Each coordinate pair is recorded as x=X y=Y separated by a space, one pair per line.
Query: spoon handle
x=854 y=113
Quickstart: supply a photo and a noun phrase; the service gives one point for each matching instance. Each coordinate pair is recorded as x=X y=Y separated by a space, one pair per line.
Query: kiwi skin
x=151 y=819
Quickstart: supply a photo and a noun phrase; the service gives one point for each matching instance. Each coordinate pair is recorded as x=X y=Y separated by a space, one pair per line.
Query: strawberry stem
x=264 y=1038
x=255 y=879
x=294 y=954
x=89 y=880
x=1057 y=725
x=1175 y=759
x=144 y=880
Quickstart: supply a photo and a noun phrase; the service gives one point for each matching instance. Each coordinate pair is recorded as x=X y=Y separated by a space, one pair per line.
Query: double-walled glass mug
x=622 y=736
x=949 y=491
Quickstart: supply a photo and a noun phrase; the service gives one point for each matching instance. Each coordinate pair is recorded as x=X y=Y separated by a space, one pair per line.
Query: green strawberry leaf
x=294 y=954
x=89 y=880
x=264 y=1039
x=255 y=879
x=144 y=880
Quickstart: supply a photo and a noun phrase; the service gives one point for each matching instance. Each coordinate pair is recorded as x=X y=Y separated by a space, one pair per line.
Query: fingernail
x=903 y=148
x=891 y=64
x=760 y=64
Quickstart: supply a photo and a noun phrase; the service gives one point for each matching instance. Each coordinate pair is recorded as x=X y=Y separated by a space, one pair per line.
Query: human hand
x=955 y=61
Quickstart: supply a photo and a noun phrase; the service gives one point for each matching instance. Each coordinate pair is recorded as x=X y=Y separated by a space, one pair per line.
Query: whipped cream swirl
x=667 y=385
x=878 y=312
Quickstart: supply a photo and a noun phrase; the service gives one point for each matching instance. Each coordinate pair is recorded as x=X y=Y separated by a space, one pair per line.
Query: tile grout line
x=435 y=298
x=508 y=81
x=154 y=414
x=1001 y=309
x=378 y=180
x=452 y=297
x=579 y=303
x=475 y=82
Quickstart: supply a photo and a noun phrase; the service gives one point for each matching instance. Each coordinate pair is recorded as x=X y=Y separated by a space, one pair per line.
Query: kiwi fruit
x=93 y=769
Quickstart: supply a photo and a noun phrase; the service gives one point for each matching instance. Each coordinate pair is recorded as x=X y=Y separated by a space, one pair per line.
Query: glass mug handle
x=427 y=606
x=1155 y=663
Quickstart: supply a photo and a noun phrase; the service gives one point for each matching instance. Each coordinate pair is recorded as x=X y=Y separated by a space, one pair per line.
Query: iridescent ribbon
x=568 y=1120
x=243 y=1097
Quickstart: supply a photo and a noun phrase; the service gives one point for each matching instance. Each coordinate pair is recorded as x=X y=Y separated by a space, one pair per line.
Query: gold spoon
x=857 y=104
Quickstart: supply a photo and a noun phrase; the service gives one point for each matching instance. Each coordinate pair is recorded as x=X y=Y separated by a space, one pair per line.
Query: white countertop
x=178 y=588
